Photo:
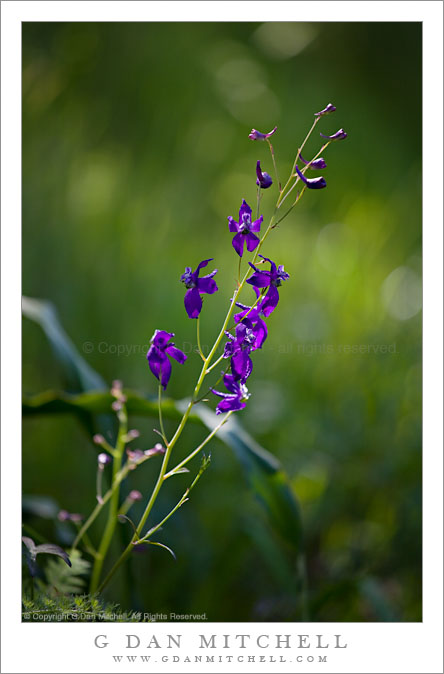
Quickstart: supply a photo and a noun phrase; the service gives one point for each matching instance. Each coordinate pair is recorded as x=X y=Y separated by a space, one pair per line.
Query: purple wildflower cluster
x=250 y=328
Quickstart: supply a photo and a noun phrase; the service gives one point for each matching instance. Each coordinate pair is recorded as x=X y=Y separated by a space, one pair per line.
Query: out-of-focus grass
x=135 y=151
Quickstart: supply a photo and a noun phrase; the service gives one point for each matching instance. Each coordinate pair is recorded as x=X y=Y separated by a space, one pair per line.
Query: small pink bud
x=103 y=459
x=135 y=495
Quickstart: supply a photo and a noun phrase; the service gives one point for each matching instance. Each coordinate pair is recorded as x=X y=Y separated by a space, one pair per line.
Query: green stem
x=198 y=338
x=198 y=449
x=113 y=506
x=281 y=196
x=162 y=429
x=274 y=164
x=165 y=519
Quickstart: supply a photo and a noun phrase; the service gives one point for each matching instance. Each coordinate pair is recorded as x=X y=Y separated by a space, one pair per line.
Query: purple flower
x=263 y=179
x=158 y=353
x=326 y=111
x=339 y=135
x=252 y=319
x=268 y=279
x=257 y=135
x=238 y=349
x=235 y=399
x=316 y=164
x=244 y=229
x=312 y=183
x=197 y=286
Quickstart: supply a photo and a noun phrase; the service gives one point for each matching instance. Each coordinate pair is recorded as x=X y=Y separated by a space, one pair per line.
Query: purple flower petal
x=316 y=165
x=193 y=303
x=339 y=135
x=261 y=332
x=155 y=358
x=326 y=111
x=241 y=365
x=230 y=404
x=175 y=353
x=233 y=226
x=244 y=210
x=263 y=179
x=257 y=135
x=207 y=284
x=202 y=264
x=272 y=264
x=230 y=383
x=256 y=225
x=165 y=372
x=312 y=183
x=161 y=337
x=270 y=302
x=260 y=279
x=252 y=241
x=238 y=243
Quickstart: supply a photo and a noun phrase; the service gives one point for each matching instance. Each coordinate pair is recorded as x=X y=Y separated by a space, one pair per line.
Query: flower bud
x=103 y=459
x=154 y=451
x=135 y=495
x=263 y=179
x=132 y=435
x=326 y=111
x=63 y=516
x=316 y=165
x=312 y=183
x=257 y=135
x=98 y=439
x=339 y=135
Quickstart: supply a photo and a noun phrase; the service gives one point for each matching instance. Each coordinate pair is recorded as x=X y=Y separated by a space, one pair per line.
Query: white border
x=396 y=647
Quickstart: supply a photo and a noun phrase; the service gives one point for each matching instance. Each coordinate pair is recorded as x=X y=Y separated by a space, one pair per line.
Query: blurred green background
x=135 y=151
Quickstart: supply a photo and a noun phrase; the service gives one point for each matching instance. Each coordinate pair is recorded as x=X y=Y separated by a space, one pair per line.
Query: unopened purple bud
x=132 y=435
x=98 y=439
x=316 y=165
x=263 y=179
x=134 y=454
x=257 y=135
x=116 y=385
x=103 y=459
x=117 y=405
x=326 y=111
x=135 y=495
x=312 y=183
x=63 y=516
x=339 y=135
x=157 y=449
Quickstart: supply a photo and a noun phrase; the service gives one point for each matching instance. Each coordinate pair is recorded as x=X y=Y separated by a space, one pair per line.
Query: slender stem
x=198 y=449
x=162 y=429
x=274 y=164
x=198 y=339
x=99 y=476
x=238 y=271
x=281 y=196
x=167 y=517
x=258 y=200
x=216 y=362
x=114 y=503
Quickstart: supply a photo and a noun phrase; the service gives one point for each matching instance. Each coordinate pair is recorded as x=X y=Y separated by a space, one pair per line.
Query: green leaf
x=99 y=402
x=78 y=374
x=53 y=549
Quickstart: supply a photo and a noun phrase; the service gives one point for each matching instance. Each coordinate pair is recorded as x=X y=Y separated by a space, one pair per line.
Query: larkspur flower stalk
x=250 y=331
